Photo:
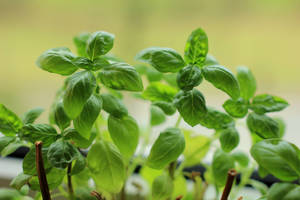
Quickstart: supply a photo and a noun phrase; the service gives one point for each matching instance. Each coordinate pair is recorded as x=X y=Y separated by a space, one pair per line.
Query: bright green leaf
x=80 y=42
x=40 y=132
x=10 y=123
x=162 y=59
x=31 y=115
x=284 y=191
x=189 y=77
x=157 y=116
x=247 y=82
x=11 y=148
x=4 y=141
x=60 y=117
x=99 y=43
x=236 y=108
x=241 y=157
x=214 y=119
x=267 y=103
x=79 y=165
x=77 y=139
x=19 y=181
x=222 y=79
x=29 y=166
x=157 y=91
x=162 y=187
x=191 y=106
x=229 y=139
x=113 y=105
x=168 y=108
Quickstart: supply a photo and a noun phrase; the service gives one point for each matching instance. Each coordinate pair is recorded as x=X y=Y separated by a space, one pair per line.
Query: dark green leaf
x=284 y=191
x=214 y=119
x=196 y=47
x=85 y=121
x=107 y=166
x=10 y=123
x=29 y=162
x=262 y=172
x=267 y=103
x=19 y=181
x=80 y=87
x=166 y=149
x=31 y=115
x=222 y=79
x=278 y=157
x=162 y=59
x=87 y=64
x=162 y=187
x=124 y=133
x=189 y=77
x=168 y=108
x=236 y=108
x=113 y=105
x=57 y=60
x=60 y=117
x=77 y=139
x=61 y=153
x=157 y=91
x=157 y=116
x=40 y=132
x=99 y=43
x=221 y=164
x=229 y=139
x=121 y=76
x=80 y=42
x=263 y=126
x=247 y=82
x=191 y=106
x=54 y=178
x=241 y=158
x=4 y=141
x=80 y=164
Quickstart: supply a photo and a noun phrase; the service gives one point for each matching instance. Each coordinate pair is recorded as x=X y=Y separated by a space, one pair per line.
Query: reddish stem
x=230 y=178
x=41 y=171
x=179 y=197
x=97 y=195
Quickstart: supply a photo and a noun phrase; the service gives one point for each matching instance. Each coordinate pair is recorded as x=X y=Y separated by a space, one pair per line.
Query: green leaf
x=189 y=77
x=267 y=103
x=222 y=79
x=236 y=108
x=278 y=157
x=162 y=187
x=262 y=172
x=31 y=115
x=263 y=126
x=80 y=42
x=166 y=149
x=99 y=43
x=107 y=166
x=61 y=119
x=57 y=60
x=83 y=193
x=149 y=174
x=113 y=105
x=54 y=178
x=191 y=106
x=29 y=166
x=19 y=181
x=229 y=139
x=124 y=133
x=162 y=59
x=40 y=132
x=95 y=65
x=210 y=60
x=11 y=148
x=241 y=157
x=171 y=79
x=80 y=87
x=168 y=108
x=261 y=187
x=284 y=191
x=121 y=76
x=61 y=153
x=77 y=139
x=198 y=146
x=10 y=194
x=247 y=82
x=281 y=125
x=180 y=187
x=153 y=74
x=10 y=123
x=214 y=119
x=85 y=121
x=157 y=116
x=4 y=141
x=158 y=91
x=80 y=164
x=222 y=162
x=196 y=47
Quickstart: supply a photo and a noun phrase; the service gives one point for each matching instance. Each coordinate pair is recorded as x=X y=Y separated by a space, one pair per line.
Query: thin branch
x=123 y=193
x=97 y=195
x=179 y=197
x=41 y=171
x=230 y=178
x=70 y=186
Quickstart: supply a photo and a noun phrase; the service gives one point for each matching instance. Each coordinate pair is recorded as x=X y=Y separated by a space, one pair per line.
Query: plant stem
x=97 y=195
x=230 y=178
x=70 y=186
x=178 y=121
x=172 y=168
x=41 y=171
x=123 y=193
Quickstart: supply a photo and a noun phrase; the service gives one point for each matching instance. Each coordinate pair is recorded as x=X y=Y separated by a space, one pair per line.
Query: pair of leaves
x=278 y=157
x=107 y=166
x=166 y=149
x=191 y=106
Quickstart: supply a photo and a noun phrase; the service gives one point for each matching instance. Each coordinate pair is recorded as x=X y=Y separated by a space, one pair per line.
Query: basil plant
x=92 y=146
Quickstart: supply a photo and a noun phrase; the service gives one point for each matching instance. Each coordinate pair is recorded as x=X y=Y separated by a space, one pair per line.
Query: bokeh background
x=261 y=34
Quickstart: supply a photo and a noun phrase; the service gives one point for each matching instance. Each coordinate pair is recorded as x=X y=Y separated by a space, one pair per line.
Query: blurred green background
x=261 y=34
